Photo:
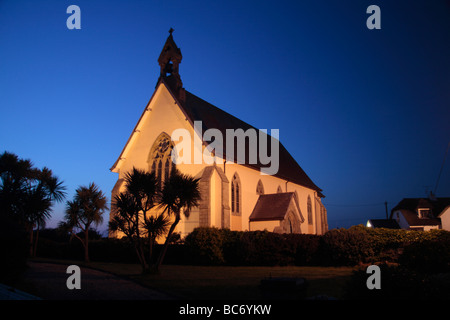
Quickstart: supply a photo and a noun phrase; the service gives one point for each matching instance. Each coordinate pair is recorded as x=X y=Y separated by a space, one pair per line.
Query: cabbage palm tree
x=126 y=220
x=48 y=190
x=179 y=195
x=134 y=216
x=36 y=208
x=27 y=193
x=156 y=226
x=85 y=210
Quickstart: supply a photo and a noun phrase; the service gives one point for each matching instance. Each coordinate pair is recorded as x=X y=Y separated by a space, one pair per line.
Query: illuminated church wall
x=229 y=191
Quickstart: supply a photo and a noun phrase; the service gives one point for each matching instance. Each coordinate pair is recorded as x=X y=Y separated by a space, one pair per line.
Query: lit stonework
x=234 y=196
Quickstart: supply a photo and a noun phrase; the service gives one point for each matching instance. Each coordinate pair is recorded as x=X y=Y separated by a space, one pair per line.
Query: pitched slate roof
x=384 y=223
x=212 y=117
x=271 y=206
x=437 y=205
x=413 y=219
x=409 y=206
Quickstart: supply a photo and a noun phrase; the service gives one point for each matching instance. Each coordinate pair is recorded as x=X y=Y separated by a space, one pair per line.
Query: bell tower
x=169 y=61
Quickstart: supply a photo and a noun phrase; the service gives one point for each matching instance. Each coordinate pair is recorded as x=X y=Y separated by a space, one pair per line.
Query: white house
x=422 y=213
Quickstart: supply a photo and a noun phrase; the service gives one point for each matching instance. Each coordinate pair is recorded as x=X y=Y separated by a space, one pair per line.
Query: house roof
x=413 y=219
x=271 y=206
x=409 y=208
x=212 y=117
x=437 y=205
x=384 y=223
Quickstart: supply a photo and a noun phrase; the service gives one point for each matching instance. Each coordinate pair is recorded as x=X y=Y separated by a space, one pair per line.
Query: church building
x=236 y=193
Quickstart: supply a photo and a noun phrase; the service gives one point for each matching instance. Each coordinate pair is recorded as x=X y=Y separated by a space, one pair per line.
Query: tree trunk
x=36 y=241
x=166 y=243
x=31 y=241
x=150 y=249
x=138 y=253
x=86 y=244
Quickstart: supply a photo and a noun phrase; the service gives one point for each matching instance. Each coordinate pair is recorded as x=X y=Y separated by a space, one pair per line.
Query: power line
x=356 y=205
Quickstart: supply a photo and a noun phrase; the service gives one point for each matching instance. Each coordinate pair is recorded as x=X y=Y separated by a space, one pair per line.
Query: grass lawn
x=226 y=282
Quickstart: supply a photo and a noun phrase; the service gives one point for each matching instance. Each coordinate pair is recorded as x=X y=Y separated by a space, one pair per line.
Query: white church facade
x=234 y=194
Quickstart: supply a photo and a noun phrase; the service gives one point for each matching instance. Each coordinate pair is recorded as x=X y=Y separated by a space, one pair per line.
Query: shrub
x=430 y=256
x=307 y=247
x=221 y=246
x=344 y=247
x=204 y=246
x=423 y=251
x=266 y=248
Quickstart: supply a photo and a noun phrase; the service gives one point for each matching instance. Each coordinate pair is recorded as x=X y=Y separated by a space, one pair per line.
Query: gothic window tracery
x=236 y=205
x=160 y=158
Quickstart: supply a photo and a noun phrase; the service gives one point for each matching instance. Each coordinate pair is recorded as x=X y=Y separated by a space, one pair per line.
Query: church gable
x=282 y=207
x=161 y=115
x=213 y=207
x=232 y=195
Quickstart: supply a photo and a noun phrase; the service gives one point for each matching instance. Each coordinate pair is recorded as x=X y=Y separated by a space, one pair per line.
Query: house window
x=309 y=208
x=424 y=213
x=160 y=158
x=236 y=205
x=259 y=188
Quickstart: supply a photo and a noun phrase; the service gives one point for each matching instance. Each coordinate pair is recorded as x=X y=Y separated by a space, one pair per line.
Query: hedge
x=337 y=247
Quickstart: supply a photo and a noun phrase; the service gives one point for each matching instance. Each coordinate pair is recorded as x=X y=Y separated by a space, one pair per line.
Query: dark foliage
x=14 y=249
x=425 y=253
x=344 y=247
x=431 y=256
x=399 y=283
x=212 y=246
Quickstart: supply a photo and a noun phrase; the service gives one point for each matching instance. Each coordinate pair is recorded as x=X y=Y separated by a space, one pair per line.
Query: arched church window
x=279 y=190
x=236 y=204
x=309 y=208
x=167 y=170
x=153 y=170
x=259 y=188
x=232 y=197
x=159 y=174
x=160 y=158
x=237 y=199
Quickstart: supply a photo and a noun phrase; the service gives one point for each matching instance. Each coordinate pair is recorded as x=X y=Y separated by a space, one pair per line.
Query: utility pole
x=443 y=162
x=385 y=205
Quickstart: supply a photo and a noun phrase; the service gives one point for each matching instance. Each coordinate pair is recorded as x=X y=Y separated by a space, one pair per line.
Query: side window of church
x=235 y=195
x=259 y=188
x=309 y=205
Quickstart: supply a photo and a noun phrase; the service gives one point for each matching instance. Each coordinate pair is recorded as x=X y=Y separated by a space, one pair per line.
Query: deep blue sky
x=364 y=112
